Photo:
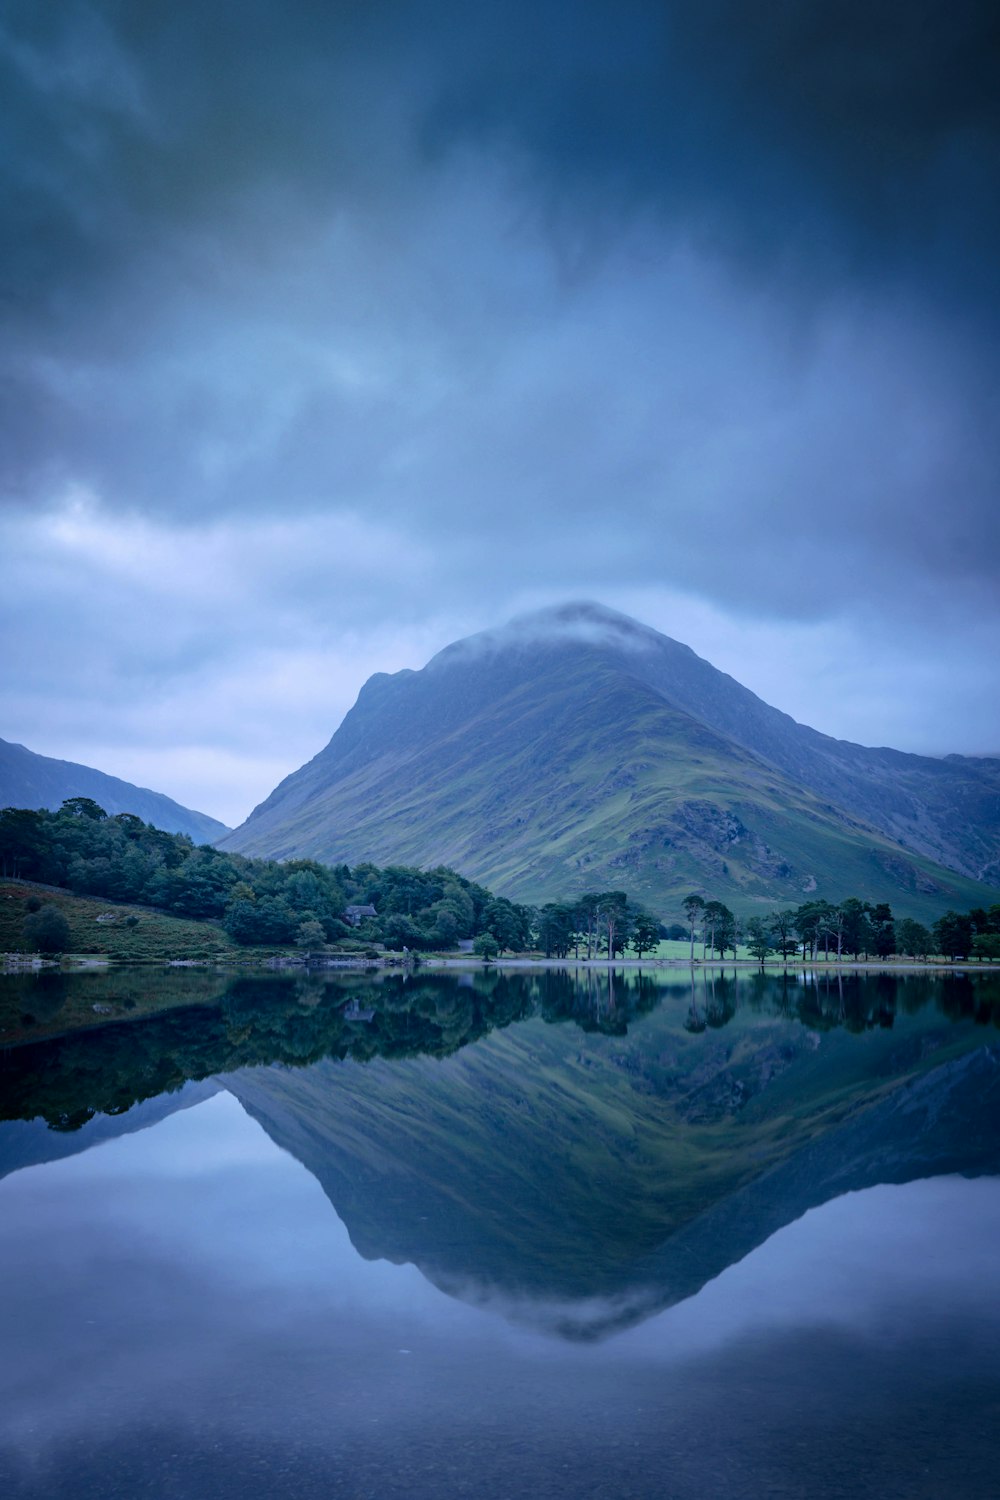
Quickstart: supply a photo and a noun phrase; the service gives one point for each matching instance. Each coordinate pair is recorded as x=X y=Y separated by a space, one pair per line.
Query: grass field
x=683 y=950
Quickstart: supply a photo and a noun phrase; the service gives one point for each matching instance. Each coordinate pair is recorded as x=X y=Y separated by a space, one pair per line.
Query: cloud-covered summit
x=581 y=621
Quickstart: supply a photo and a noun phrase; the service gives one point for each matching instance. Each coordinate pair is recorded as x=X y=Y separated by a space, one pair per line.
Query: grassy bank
x=101 y=929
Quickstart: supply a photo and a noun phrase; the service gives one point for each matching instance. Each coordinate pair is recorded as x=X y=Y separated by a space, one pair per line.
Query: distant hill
x=30 y=780
x=577 y=749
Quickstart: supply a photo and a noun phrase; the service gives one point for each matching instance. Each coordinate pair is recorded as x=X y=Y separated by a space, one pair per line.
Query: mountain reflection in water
x=580 y=1226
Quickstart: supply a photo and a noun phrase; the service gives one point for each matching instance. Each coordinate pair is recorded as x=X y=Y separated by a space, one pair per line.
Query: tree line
x=599 y=923
x=301 y=902
x=860 y=929
x=80 y=848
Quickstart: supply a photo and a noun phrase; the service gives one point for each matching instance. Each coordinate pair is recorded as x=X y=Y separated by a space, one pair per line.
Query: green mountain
x=37 y=781
x=576 y=749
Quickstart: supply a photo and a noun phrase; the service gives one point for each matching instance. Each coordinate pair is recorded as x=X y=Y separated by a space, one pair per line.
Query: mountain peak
x=585 y=612
x=579 y=621
x=581 y=615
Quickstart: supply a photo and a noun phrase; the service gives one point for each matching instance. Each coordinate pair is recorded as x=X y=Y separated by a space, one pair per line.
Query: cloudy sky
x=335 y=331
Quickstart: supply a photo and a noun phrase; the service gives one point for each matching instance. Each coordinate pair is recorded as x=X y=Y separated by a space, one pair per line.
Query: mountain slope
x=947 y=809
x=578 y=749
x=30 y=780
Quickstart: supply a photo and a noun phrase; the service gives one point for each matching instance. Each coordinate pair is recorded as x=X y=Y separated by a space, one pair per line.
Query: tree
x=831 y=926
x=783 y=933
x=612 y=910
x=857 y=929
x=310 y=934
x=509 y=923
x=759 y=939
x=84 y=807
x=883 y=929
x=240 y=921
x=726 y=932
x=807 y=924
x=693 y=906
x=587 y=919
x=486 y=947
x=556 y=926
x=47 y=930
x=22 y=842
x=645 y=933
x=913 y=938
x=715 y=915
x=130 y=824
x=953 y=935
x=444 y=933
x=399 y=931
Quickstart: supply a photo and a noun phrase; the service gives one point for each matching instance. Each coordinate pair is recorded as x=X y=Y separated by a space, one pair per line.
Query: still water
x=539 y=1235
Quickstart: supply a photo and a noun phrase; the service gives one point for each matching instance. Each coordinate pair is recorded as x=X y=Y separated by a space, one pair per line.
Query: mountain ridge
x=28 y=779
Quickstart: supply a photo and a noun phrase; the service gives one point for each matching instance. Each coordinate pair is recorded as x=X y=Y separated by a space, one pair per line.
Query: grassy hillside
x=581 y=776
x=155 y=937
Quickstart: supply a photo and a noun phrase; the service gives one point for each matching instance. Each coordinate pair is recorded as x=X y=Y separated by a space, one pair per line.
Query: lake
x=498 y=1234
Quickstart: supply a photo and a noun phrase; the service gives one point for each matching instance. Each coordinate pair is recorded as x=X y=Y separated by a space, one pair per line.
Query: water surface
x=508 y=1236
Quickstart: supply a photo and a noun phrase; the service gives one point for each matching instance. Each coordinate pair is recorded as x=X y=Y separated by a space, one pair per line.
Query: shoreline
x=13 y=964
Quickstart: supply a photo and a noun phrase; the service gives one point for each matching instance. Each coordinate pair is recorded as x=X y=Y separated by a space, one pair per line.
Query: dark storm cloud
x=850 y=133
x=395 y=318
x=167 y=164
x=856 y=134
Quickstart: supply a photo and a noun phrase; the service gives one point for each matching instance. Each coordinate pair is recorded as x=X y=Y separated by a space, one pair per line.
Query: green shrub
x=47 y=930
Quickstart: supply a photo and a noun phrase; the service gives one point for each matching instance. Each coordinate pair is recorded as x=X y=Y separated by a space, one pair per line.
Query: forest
x=300 y=902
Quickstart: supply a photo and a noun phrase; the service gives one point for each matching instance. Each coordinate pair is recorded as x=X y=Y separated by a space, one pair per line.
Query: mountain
x=30 y=780
x=576 y=749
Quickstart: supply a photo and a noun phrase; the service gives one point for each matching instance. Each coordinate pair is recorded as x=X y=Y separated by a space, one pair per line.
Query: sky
x=335 y=332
